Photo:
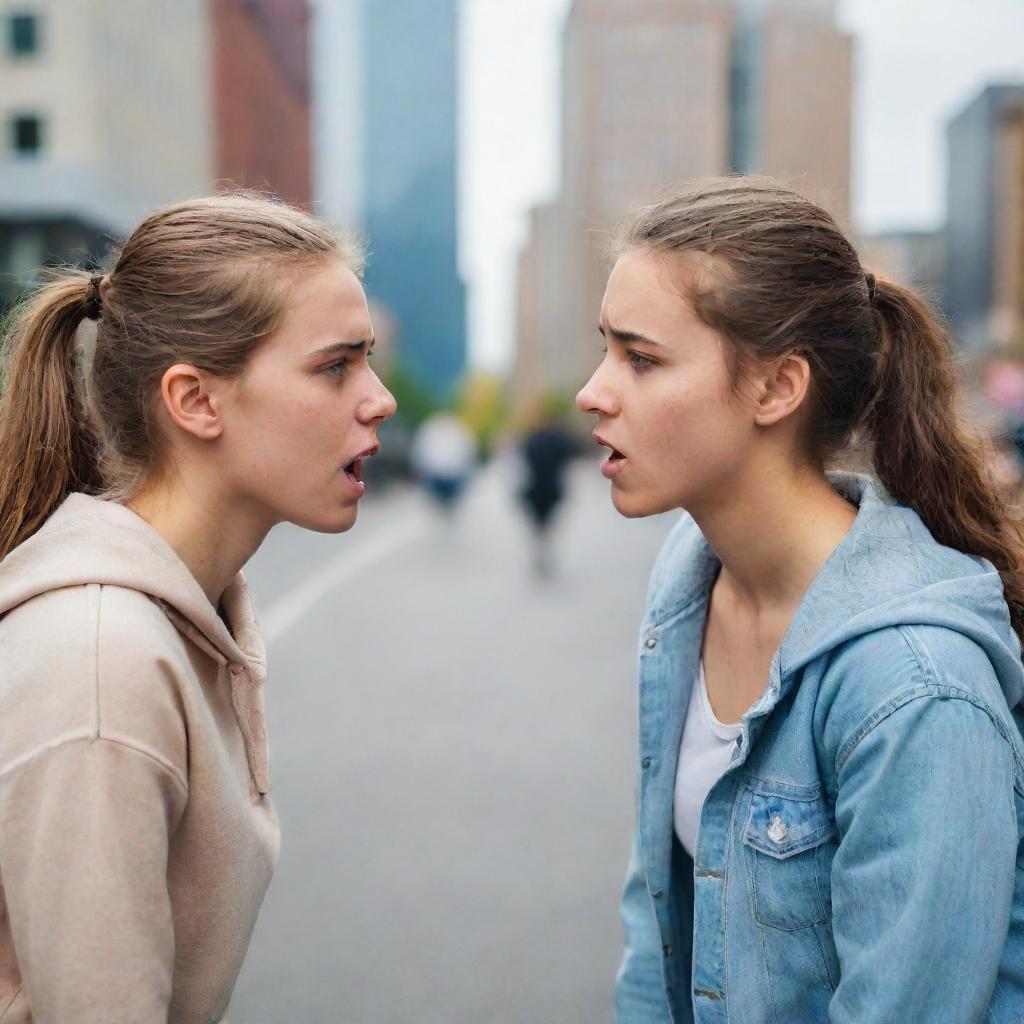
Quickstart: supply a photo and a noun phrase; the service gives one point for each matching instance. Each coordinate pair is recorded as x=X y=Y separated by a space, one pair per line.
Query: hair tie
x=93 y=308
x=870 y=280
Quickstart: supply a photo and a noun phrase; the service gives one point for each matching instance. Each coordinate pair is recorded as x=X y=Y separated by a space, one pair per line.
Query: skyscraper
x=985 y=219
x=656 y=92
x=387 y=121
x=261 y=95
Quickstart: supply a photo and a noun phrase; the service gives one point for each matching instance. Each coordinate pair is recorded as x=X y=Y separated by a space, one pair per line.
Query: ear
x=191 y=402
x=783 y=389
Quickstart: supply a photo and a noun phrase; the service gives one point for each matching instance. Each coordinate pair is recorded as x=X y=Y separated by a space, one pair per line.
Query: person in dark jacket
x=546 y=453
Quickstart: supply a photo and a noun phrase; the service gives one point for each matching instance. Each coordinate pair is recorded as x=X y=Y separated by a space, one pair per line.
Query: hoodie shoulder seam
x=77 y=736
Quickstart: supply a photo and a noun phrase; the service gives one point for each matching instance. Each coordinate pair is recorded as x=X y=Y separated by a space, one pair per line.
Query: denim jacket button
x=658 y=893
x=667 y=950
x=652 y=642
x=646 y=762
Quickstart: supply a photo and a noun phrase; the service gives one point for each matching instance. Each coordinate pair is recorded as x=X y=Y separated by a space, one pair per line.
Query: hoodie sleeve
x=923 y=877
x=85 y=830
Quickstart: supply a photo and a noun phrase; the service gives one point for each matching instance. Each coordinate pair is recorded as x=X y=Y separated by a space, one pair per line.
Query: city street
x=452 y=762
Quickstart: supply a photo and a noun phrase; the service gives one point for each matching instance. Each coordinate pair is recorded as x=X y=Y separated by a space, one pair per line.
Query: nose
x=596 y=397
x=379 y=404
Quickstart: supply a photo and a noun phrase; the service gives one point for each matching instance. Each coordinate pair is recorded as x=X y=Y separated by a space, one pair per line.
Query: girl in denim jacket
x=831 y=764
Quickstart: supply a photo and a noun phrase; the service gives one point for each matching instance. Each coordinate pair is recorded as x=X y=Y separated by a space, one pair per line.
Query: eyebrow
x=620 y=335
x=343 y=346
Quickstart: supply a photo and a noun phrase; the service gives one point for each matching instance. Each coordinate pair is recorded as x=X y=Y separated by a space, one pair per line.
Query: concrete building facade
x=102 y=120
x=985 y=219
x=111 y=108
x=1007 y=319
x=805 y=77
x=656 y=92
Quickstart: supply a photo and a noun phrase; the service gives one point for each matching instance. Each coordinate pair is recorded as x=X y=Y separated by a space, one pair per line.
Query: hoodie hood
x=887 y=571
x=90 y=540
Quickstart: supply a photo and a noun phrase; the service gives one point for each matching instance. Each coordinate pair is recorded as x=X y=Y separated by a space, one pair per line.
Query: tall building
x=111 y=108
x=985 y=220
x=656 y=92
x=102 y=119
x=791 y=98
x=261 y=95
x=386 y=126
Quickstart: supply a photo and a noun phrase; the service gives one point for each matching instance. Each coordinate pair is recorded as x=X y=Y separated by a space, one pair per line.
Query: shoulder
x=871 y=677
x=92 y=661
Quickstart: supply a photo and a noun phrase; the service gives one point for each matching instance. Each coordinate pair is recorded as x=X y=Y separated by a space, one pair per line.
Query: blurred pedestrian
x=443 y=454
x=546 y=453
x=831 y=799
x=157 y=421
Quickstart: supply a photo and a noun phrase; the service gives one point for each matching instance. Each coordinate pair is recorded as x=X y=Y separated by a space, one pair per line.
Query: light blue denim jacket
x=861 y=861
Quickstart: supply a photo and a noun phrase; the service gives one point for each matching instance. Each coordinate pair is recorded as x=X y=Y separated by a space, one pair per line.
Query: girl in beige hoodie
x=155 y=423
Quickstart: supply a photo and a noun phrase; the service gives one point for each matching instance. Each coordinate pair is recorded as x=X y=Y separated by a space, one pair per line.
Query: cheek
x=697 y=422
x=287 y=431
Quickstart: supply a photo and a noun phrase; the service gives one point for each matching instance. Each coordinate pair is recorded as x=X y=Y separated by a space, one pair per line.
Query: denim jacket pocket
x=788 y=860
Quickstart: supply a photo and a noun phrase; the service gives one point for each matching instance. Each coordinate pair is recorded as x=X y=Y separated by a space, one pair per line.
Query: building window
x=26 y=135
x=23 y=34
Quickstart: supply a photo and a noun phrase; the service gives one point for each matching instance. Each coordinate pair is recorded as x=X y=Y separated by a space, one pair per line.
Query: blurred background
x=451 y=695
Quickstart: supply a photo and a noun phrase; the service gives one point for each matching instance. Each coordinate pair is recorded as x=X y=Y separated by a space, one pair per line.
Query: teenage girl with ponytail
x=155 y=423
x=831 y=766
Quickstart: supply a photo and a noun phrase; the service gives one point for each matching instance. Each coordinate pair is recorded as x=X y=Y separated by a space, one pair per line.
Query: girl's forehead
x=648 y=288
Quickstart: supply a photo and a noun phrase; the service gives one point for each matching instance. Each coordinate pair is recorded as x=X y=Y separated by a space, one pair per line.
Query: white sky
x=918 y=62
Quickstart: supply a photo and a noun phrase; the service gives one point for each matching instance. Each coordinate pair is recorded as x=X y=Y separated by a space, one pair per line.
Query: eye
x=336 y=370
x=639 y=362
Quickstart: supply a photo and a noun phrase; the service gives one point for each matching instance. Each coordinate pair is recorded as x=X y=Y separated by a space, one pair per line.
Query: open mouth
x=614 y=462
x=354 y=469
x=615 y=455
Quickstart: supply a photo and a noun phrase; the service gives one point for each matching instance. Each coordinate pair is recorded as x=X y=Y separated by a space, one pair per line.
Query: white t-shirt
x=704 y=753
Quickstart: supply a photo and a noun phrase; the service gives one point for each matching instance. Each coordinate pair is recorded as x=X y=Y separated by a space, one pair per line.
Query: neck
x=209 y=533
x=773 y=531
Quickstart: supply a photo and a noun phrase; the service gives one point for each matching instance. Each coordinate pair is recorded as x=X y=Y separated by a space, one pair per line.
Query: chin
x=637 y=506
x=338 y=521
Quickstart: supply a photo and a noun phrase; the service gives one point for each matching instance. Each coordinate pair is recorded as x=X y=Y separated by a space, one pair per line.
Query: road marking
x=287 y=610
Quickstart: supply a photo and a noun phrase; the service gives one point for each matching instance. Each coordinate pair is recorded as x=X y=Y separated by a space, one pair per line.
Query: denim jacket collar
x=886 y=570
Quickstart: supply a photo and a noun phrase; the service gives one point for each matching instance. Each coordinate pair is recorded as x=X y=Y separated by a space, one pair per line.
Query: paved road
x=451 y=758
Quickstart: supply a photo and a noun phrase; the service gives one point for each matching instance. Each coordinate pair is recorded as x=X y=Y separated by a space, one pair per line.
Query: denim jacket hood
x=892 y=620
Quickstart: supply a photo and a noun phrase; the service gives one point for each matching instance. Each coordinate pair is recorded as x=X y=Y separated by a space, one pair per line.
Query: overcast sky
x=917 y=63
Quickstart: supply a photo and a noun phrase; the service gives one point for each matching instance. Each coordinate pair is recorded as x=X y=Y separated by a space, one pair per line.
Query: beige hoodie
x=137 y=838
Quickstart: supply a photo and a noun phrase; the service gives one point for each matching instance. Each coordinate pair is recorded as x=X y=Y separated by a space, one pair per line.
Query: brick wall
x=262 y=95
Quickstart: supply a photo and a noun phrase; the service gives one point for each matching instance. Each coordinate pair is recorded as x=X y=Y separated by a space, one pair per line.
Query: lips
x=615 y=453
x=615 y=461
